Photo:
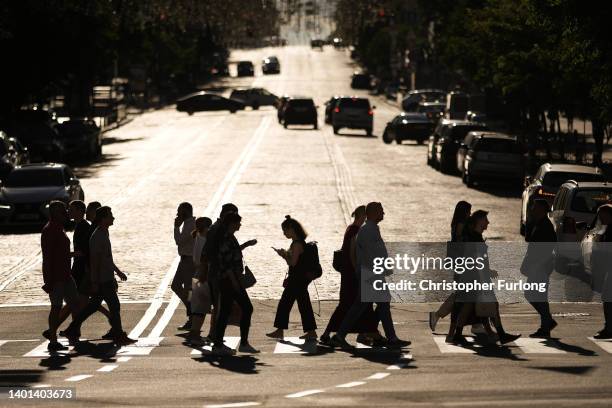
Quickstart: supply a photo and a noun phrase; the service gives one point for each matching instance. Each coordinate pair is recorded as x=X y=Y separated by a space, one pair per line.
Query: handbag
x=247 y=279
x=338 y=260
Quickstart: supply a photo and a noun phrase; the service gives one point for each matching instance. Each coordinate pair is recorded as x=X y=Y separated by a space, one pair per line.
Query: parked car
x=548 y=179
x=490 y=156
x=475 y=116
x=205 y=101
x=445 y=141
x=82 y=137
x=391 y=91
x=270 y=65
x=338 y=43
x=573 y=209
x=361 y=81
x=412 y=99
x=353 y=113
x=29 y=188
x=254 y=97
x=316 y=44
x=433 y=110
x=246 y=68
x=330 y=105
x=457 y=105
x=37 y=130
x=300 y=111
x=408 y=126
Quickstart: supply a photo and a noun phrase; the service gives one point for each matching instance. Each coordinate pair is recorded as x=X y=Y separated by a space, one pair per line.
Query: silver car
x=28 y=189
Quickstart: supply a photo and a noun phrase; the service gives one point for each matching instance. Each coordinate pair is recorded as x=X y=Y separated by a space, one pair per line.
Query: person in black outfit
x=230 y=289
x=604 y=213
x=538 y=263
x=296 y=284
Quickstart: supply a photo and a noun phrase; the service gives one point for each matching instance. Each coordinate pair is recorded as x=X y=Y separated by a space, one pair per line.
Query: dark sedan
x=300 y=111
x=204 y=101
x=246 y=68
x=82 y=138
x=408 y=126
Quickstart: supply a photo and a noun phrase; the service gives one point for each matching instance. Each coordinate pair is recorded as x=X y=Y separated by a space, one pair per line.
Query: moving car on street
x=490 y=156
x=205 y=101
x=548 y=179
x=270 y=65
x=246 y=68
x=411 y=101
x=82 y=138
x=408 y=126
x=254 y=97
x=317 y=44
x=330 y=105
x=444 y=143
x=353 y=113
x=361 y=81
x=300 y=111
x=28 y=189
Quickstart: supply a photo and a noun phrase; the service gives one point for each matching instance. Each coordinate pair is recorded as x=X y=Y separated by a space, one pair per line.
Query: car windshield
x=433 y=96
x=497 y=146
x=301 y=103
x=35 y=178
x=588 y=201
x=459 y=132
x=554 y=179
x=430 y=108
x=354 y=103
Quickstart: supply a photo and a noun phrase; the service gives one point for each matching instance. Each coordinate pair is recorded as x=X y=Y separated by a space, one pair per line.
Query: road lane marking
x=351 y=384
x=41 y=351
x=79 y=377
x=230 y=341
x=445 y=347
x=304 y=393
x=537 y=346
x=378 y=376
x=142 y=347
x=107 y=368
x=123 y=359
x=41 y=386
x=606 y=345
x=234 y=405
x=295 y=345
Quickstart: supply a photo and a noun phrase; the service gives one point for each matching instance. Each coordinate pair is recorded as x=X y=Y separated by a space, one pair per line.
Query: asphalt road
x=164 y=157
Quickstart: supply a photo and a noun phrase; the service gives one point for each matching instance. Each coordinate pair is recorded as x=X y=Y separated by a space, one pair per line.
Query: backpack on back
x=311 y=263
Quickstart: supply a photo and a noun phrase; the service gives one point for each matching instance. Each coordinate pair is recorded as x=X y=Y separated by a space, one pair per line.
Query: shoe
x=433 y=320
x=478 y=329
x=603 y=335
x=47 y=334
x=276 y=335
x=109 y=335
x=197 y=341
x=72 y=335
x=337 y=341
x=123 y=340
x=540 y=334
x=459 y=340
x=186 y=326
x=379 y=342
x=508 y=338
x=309 y=336
x=247 y=348
x=398 y=343
x=223 y=351
x=56 y=346
x=325 y=340
x=364 y=339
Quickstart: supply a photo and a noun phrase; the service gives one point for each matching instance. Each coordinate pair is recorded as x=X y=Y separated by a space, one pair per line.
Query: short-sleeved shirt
x=55 y=246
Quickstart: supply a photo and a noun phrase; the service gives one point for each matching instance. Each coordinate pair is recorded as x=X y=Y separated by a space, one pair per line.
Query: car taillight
x=569 y=225
x=370 y=112
x=337 y=110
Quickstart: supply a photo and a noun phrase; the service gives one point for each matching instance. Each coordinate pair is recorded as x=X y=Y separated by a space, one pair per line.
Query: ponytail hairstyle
x=201 y=223
x=359 y=212
x=295 y=225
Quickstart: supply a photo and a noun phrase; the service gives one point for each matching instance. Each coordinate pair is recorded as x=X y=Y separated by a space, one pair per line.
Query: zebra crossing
x=295 y=346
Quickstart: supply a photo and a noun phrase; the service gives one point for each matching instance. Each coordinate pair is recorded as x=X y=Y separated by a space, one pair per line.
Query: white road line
x=107 y=368
x=41 y=386
x=166 y=316
x=142 y=347
x=537 y=346
x=41 y=351
x=304 y=393
x=398 y=366
x=79 y=377
x=234 y=405
x=351 y=384
x=123 y=359
x=295 y=345
x=378 y=376
x=230 y=341
x=606 y=345
x=3 y=342
x=123 y=302
x=445 y=347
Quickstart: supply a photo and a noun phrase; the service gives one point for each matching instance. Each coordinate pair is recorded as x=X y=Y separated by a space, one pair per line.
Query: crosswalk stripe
x=108 y=368
x=445 y=347
x=142 y=347
x=304 y=393
x=295 y=345
x=537 y=346
x=230 y=341
x=79 y=377
x=351 y=384
x=606 y=345
x=41 y=351
x=378 y=376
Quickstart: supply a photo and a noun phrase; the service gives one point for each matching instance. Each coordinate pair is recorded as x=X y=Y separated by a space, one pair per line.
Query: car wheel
x=420 y=141
x=385 y=137
x=99 y=151
x=336 y=129
x=255 y=106
x=190 y=113
x=232 y=111
x=398 y=140
x=522 y=229
x=369 y=131
x=315 y=125
x=463 y=178
x=285 y=124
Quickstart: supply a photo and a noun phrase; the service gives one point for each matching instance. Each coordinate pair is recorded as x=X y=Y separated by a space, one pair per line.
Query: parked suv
x=445 y=141
x=246 y=68
x=300 y=111
x=361 y=81
x=254 y=97
x=353 y=113
x=270 y=65
x=490 y=156
x=408 y=126
x=547 y=181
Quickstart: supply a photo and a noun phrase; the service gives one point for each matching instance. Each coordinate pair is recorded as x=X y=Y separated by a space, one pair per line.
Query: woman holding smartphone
x=296 y=284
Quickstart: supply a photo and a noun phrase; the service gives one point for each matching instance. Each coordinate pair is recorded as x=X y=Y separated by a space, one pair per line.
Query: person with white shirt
x=181 y=284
